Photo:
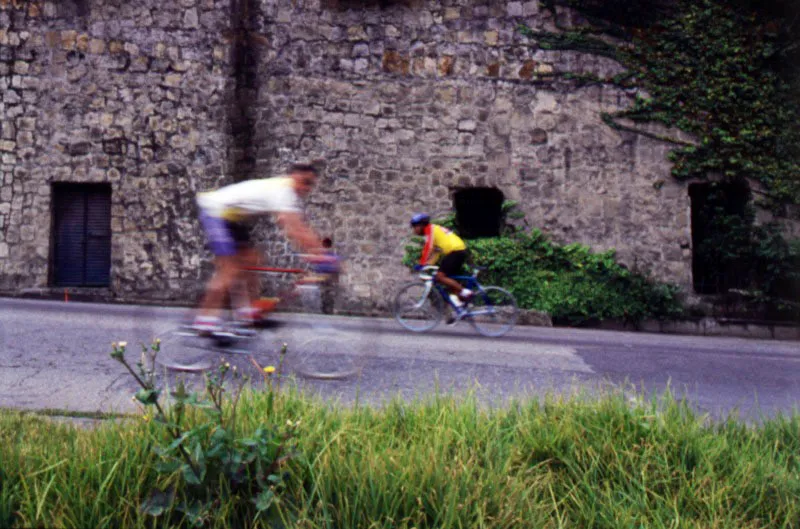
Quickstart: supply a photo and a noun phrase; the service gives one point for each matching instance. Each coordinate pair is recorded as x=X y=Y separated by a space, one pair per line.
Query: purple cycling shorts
x=224 y=237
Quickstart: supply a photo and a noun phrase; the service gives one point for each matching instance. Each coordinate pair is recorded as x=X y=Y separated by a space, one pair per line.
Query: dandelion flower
x=269 y=370
x=123 y=344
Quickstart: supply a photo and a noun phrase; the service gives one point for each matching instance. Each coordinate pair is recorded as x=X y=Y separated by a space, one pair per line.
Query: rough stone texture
x=405 y=101
x=126 y=94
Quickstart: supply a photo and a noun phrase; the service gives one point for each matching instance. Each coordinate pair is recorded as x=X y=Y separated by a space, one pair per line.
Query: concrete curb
x=708 y=326
x=713 y=327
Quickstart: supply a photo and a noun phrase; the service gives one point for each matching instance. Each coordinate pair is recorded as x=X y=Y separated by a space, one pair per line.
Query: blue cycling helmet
x=420 y=218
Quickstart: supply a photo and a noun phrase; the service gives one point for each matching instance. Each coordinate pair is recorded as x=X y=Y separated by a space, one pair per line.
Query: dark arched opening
x=479 y=212
x=719 y=219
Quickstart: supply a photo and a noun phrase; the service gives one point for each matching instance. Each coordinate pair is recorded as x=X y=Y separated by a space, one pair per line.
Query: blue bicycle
x=420 y=305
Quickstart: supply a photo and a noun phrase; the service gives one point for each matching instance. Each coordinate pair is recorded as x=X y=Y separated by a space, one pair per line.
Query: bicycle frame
x=305 y=278
x=471 y=282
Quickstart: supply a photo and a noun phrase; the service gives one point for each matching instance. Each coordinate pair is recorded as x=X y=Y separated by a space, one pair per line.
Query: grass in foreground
x=442 y=462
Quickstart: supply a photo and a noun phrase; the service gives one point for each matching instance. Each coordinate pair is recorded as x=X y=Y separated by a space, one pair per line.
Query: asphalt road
x=56 y=355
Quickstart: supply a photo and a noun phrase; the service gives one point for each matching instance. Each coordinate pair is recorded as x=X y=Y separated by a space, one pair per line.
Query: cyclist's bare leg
x=249 y=256
x=226 y=270
x=452 y=285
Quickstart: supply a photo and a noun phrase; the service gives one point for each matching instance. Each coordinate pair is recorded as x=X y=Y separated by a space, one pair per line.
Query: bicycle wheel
x=326 y=353
x=415 y=310
x=184 y=350
x=493 y=311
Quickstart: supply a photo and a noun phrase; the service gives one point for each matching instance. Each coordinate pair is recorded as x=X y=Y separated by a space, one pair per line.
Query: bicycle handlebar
x=427 y=272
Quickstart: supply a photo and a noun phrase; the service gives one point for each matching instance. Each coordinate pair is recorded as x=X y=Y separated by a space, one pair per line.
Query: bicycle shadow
x=269 y=324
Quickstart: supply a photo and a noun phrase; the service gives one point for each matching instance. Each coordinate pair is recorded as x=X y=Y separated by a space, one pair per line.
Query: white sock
x=456 y=300
x=465 y=293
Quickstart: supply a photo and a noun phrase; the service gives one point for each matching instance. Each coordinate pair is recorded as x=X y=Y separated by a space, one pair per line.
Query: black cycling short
x=452 y=263
x=240 y=232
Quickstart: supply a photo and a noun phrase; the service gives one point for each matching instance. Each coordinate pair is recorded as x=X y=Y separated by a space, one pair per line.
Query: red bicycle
x=318 y=345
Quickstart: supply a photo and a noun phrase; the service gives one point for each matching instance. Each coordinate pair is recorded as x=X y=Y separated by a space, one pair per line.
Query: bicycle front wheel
x=418 y=307
x=328 y=355
x=493 y=311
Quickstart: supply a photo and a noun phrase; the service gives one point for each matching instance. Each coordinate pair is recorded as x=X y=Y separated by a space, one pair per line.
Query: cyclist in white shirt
x=224 y=214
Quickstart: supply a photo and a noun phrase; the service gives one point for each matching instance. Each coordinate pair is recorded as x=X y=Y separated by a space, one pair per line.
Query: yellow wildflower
x=269 y=370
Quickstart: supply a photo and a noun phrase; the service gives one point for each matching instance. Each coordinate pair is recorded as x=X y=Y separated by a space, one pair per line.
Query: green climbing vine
x=722 y=71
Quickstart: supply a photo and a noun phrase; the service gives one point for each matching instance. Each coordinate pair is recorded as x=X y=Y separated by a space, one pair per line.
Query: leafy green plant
x=205 y=462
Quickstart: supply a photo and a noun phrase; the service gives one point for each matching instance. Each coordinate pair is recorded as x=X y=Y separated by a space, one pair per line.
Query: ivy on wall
x=723 y=71
x=713 y=69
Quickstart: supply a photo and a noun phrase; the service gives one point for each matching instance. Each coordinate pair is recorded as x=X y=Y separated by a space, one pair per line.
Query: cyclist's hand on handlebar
x=326 y=264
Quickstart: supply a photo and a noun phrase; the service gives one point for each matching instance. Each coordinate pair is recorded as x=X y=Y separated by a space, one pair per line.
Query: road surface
x=56 y=355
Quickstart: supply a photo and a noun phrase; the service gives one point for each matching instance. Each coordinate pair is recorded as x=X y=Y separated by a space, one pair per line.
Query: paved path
x=55 y=355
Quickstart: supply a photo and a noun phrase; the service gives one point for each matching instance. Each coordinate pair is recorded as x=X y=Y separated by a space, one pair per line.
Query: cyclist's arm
x=428 y=255
x=299 y=232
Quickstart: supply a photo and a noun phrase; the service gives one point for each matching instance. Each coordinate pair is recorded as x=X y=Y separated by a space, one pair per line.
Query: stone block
x=682 y=327
x=357 y=32
x=191 y=19
x=82 y=42
x=21 y=67
x=26 y=123
x=79 y=148
x=361 y=49
x=446 y=65
x=786 y=332
x=97 y=46
x=452 y=13
x=25 y=139
x=530 y=8
x=361 y=65
x=68 y=38
x=514 y=9
x=172 y=80
x=396 y=63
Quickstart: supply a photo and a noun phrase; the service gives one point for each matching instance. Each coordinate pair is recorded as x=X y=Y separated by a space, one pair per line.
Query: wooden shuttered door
x=82 y=231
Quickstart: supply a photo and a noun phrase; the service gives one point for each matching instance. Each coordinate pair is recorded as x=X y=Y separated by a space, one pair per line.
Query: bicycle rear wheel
x=327 y=354
x=418 y=307
x=493 y=311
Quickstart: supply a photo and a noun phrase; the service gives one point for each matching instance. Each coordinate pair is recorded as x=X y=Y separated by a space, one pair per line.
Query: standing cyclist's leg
x=249 y=282
x=246 y=282
x=226 y=269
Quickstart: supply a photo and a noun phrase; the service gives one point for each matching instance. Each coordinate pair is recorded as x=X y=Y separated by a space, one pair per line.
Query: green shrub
x=569 y=282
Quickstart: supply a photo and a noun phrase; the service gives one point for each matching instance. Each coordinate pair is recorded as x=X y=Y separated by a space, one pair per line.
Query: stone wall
x=405 y=101
x=410 y=101
x=120 y=92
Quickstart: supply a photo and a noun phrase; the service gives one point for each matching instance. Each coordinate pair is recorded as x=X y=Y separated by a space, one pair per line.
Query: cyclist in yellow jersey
x=442 y=242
